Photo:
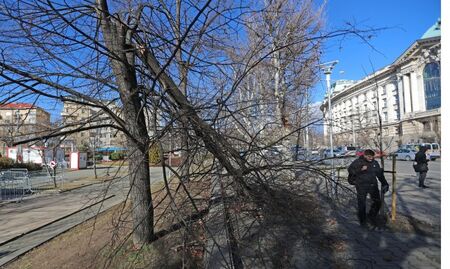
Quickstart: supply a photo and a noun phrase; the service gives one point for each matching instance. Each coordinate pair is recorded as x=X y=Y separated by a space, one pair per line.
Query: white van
x=433 y=149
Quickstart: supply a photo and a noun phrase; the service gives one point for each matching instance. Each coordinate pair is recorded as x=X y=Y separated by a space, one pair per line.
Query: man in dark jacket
x=422 y=164
x=366 y=170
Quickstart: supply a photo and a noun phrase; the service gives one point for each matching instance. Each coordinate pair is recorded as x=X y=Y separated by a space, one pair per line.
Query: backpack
x=351 y=179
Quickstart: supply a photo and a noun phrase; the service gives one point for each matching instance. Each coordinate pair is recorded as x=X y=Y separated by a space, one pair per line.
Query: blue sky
x=406 y=20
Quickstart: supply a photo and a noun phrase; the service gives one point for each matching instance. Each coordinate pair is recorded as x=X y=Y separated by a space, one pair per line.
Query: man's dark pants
x=361 y=192
x=422 y=176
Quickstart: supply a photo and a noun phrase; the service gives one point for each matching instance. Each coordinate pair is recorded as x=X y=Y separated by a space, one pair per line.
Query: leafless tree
x=200 y=71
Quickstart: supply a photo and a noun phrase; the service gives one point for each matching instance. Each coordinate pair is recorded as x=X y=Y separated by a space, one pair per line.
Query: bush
x=7 y=163
x=29 y=166
x=154 y=154
x=116 y=156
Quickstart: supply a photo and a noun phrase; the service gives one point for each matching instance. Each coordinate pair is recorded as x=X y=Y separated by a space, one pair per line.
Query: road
x=42 y=178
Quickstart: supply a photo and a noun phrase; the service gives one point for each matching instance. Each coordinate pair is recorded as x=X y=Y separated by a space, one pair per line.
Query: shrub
x=154 y=154
x=116 y=156
x=6 y=162
x=29 y=166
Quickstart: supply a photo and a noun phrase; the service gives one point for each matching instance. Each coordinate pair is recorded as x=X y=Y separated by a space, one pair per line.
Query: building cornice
x=406 y=55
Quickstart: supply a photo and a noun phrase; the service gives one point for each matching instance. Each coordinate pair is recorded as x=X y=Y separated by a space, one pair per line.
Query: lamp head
x=328 y=66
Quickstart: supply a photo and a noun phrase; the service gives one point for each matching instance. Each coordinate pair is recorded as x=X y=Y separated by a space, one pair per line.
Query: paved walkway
x=387 y=249
x=422 y=204
x=366 y=248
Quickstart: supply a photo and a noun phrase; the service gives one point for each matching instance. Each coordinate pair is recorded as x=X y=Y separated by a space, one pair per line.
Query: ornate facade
x=401 y=103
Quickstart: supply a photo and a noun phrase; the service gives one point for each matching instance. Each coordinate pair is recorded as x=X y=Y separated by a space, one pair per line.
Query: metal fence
x=14 y=184
x=17 y=183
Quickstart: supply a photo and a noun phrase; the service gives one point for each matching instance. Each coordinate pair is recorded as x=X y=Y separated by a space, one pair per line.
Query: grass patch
x=105 y=242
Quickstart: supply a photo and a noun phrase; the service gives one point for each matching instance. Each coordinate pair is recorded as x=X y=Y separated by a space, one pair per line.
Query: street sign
x=53 y=164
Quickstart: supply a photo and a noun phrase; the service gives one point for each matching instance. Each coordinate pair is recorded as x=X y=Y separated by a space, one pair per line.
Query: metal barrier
x=14 y=184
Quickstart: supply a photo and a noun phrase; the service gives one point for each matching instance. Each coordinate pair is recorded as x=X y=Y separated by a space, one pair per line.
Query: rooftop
x=17 y=106
x=433 y=31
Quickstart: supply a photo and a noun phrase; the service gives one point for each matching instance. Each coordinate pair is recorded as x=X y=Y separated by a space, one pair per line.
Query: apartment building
x=19 y=121
x=398 y=104
x=75 y=116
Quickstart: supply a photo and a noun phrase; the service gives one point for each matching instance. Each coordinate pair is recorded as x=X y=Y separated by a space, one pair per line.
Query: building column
x=400 y=95
x=414 y=92
x=407 y=92
x=420 y=92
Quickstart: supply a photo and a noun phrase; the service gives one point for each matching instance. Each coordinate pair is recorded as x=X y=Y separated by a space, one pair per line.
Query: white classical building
x=398 y=104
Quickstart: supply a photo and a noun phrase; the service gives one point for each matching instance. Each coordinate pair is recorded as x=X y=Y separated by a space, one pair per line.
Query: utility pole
x=327 y=68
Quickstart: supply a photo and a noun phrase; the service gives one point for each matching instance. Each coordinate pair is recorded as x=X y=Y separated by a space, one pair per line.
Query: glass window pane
x=432 y=84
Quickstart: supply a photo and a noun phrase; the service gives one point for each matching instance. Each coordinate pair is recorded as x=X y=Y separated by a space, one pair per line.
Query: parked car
x=405 y=154
x=347 y=150
x=336 y=153
x=274 y=153
x=378 y=153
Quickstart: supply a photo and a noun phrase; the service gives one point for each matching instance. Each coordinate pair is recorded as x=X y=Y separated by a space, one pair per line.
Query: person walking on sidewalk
x=364 y=172
x=421 y=166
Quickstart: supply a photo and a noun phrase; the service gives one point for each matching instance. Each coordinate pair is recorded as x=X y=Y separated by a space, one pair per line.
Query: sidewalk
x=421 y=204
x=30 y=223
x=388 y=249
x=29 y=214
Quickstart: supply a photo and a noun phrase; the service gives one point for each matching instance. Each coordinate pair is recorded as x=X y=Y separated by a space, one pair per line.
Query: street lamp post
x=353 y=129
x=19 y=154
x=327 y=68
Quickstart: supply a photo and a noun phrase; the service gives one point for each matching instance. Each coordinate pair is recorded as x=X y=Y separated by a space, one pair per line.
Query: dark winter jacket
x=369 y=176
x=421 y=157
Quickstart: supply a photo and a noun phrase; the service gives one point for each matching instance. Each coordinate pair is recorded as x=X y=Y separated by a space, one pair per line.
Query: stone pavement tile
x=411 y=265
x=385 y=265
x=434 y=257
x=418 y=261
x=398 y=247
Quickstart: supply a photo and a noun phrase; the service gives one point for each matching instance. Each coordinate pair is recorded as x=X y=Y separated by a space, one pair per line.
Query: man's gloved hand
x=385 y=188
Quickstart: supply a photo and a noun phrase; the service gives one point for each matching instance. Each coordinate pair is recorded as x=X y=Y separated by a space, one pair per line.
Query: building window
x=426 y=126
x=432 y=85
x=385 y=116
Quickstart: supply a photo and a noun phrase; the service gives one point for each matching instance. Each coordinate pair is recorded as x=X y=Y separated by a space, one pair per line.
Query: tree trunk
x=142 y=206
x=183 y=73
x=117 y=38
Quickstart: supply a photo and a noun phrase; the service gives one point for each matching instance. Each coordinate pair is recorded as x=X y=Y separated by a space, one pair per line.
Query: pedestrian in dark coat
x=421 y=166
x=366 y=171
